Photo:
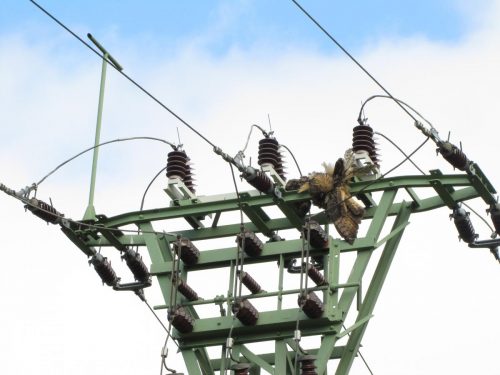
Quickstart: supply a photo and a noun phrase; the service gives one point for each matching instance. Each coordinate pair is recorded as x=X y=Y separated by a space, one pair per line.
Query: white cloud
x=437 y=311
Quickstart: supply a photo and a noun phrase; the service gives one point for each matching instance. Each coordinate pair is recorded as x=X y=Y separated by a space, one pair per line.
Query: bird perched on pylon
x=330 y=191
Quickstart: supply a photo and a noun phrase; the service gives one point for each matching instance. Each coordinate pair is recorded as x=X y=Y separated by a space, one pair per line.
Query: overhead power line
x=134 y=82
x=353 y=59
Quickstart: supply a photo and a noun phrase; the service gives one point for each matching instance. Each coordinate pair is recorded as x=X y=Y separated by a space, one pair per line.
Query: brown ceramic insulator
x=247 y=280
x=260 y=181
x=495 y=217
x=241 y=368
x=250 y=243
x=189 y=253
x=188 y=179
x=177 y=164
x=362 y=140
x=246 y=313
x=317 y=235
x=464 y=225
x=307 y=365
x=269 y=153
x=454 y=155
x=187 y=291
x=311 y=305
x=103 y=268
x=181 y=320
x=316 y=276
x=136 y=265
x=44 y=211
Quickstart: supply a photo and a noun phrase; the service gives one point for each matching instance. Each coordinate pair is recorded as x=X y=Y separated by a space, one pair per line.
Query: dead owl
x=330 y=191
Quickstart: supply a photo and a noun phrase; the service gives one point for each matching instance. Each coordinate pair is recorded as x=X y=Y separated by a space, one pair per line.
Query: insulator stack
x=247 y=280
x=307 y=365
x=316 y=276
x=317 y=235
x=178 y=166
x=311 y=305
x=136 y=265
x=103 y=268
x=181 y=320
x=269 y=154
x=189 y=180
x=188 y=252
x=186 y=290
x=495 y=217
x=259 y=180
x=246 y=313
x=44 y=211
x=464 y=225
x=250 y=243
x=241 y=368
x=362 y=140
x=453 y=155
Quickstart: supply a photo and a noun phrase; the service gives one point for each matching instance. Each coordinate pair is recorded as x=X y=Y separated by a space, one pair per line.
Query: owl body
x=330 y=191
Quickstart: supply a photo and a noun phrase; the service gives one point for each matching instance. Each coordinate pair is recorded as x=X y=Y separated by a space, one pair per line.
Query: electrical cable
x=130 y=79
x=293 y=157
x=101 y=144
x=353 y=59
x=400 y=150
x=479 y=216
x=423 y=173
x=88 y=225
x=239 y=260
x=163 y=325
x=395 y=99
x=149 y=185
x=303 y=273
x=250 y=133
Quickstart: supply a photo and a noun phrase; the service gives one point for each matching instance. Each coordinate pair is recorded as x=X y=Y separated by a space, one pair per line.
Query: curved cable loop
x=360 y=115
x=99 y=145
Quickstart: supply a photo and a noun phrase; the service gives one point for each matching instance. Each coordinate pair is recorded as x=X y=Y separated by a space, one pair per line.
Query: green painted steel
x=90 y=211
x=278 y=325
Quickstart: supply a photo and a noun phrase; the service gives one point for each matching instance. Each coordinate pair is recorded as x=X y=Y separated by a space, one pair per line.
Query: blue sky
x=243 y=23
x=223 y=65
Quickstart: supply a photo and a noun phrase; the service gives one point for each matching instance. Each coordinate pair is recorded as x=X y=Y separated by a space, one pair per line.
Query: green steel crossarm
x=222 y=257
x=205 y=208
x=269 y=358
x=272 y=325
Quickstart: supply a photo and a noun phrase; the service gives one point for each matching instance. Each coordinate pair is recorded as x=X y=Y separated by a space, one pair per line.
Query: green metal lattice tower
x=397 y=197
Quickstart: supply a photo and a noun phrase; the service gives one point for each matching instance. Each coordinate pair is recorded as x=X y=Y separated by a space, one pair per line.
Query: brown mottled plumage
x=330 y=191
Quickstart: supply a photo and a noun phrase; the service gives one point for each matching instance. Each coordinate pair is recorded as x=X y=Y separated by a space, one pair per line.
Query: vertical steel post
x=90 y=212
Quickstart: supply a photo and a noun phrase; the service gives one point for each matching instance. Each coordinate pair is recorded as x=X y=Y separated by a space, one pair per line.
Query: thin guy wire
x=361 y=355
x=400 y=150
x=352 y=58
x=101 y=144
x=131 y=80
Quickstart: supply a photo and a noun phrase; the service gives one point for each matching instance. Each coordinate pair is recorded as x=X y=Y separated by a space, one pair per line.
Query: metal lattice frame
x=279 y=325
